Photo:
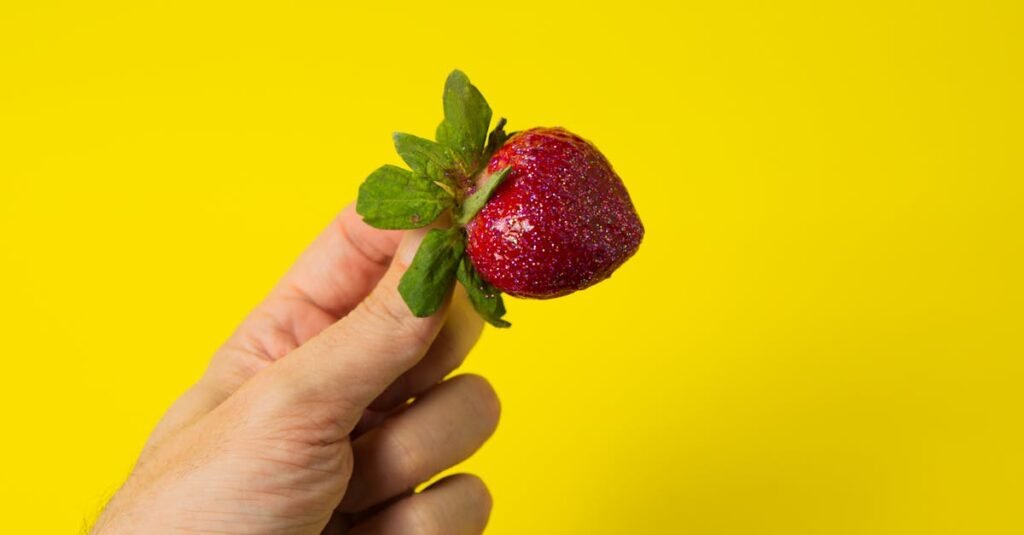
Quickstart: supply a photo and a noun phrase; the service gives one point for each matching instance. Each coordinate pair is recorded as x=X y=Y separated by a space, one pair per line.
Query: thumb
x=339 y=372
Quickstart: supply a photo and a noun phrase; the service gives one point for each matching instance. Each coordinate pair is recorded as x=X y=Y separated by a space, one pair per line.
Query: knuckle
x=409 y=461
x=279 y=399
x=384 y=306
x=386 y=309
x=422 y=520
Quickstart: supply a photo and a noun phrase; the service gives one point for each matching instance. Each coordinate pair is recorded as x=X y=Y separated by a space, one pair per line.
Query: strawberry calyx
x=447 y=174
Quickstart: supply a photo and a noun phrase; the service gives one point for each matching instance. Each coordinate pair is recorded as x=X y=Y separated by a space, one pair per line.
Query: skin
x=302 y=422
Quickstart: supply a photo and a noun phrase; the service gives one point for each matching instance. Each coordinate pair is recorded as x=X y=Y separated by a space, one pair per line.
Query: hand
x=301 y=422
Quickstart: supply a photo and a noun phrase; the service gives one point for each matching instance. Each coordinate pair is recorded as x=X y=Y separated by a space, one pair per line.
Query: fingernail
x=410 y=243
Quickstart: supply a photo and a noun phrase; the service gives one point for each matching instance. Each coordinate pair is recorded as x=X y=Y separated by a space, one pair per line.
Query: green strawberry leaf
x=497 y=138
x=425 y=157
x=394 y=198
x=486 y=299
x=466 y=118
x=441 y=173
x=479 y=198
x=431 y=275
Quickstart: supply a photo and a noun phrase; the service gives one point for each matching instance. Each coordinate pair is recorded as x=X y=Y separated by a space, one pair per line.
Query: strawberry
x=561 y=222
x=538 y=213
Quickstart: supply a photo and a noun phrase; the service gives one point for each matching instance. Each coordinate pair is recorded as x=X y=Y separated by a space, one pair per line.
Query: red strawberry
x=561 y=221
x=538 y=214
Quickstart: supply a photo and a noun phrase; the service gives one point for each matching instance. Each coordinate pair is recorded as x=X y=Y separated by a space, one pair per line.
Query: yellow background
x=822 y=332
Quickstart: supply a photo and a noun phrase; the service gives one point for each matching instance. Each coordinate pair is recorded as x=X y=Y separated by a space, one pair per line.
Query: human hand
x=300 y=424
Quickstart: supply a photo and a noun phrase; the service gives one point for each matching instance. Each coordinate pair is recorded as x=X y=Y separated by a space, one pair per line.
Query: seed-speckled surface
x=561 y=222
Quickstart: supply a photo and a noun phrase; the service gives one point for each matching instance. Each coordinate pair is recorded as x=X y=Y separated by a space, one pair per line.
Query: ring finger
x=456 y=505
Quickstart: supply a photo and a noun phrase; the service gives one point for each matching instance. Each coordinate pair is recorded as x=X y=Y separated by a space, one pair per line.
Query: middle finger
x=460 y=332
x=440 y=429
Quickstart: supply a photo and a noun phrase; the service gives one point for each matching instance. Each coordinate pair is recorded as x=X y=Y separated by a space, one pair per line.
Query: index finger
x=342 y=265
x=328 y=280
x=336 y=374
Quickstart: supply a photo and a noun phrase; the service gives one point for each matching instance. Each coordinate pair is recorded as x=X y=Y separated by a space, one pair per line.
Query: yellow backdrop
x=822 y=332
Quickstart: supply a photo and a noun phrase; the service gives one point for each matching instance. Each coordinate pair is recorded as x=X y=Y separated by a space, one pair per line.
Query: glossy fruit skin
x=561 y=221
